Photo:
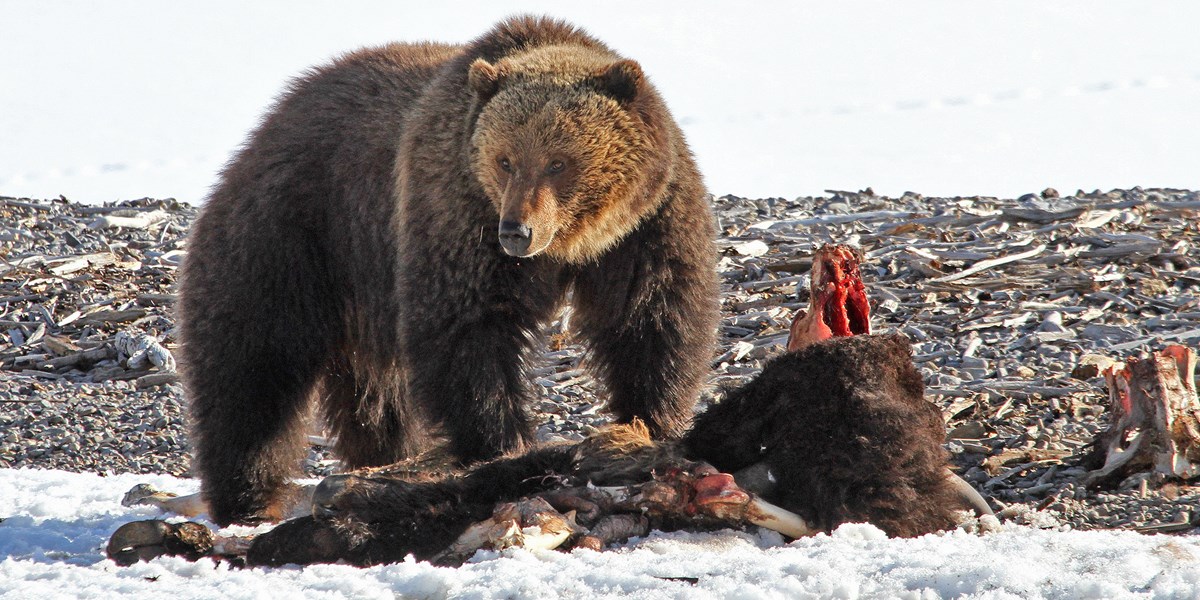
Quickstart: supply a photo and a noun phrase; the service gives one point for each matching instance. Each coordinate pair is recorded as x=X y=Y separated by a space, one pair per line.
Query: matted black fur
x=386 y=518
x=349 y=258
x=847 y=433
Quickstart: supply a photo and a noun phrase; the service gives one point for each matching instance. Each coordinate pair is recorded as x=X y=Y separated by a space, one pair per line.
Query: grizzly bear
x=388 y=241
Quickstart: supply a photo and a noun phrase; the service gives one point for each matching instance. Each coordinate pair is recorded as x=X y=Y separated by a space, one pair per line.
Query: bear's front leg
x=471 y=379
x=466 y=335
x=647 y=312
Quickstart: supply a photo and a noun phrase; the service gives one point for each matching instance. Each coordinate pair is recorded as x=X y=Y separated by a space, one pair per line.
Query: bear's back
x=332 y=117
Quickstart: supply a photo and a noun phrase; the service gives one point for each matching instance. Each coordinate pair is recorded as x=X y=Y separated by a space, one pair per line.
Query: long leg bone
x=720 y=497
x=297 y=501
x=711 y=494
x=145 y=494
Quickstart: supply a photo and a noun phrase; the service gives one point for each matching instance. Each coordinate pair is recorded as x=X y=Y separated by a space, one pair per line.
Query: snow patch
x=55 y=525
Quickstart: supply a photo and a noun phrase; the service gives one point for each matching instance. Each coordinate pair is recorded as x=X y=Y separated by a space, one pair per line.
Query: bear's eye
x=555 y=166
x=505 y=165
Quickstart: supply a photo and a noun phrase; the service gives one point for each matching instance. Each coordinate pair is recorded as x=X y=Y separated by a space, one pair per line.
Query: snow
x=125 y=99
x=56 y=524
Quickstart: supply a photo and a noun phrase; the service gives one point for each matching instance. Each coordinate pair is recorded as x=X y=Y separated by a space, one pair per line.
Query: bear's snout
x=515 y=238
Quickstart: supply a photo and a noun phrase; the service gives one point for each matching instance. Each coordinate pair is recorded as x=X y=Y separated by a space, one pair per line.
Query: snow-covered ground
x=124 y=98
x=57 y=523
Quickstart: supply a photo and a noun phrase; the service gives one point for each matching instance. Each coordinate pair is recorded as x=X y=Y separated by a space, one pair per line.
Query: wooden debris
x=984 y=265
x=141 y=221
x=75 y=278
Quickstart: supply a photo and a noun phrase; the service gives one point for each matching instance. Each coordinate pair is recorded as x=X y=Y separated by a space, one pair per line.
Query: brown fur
x=349 y=256
x=842 y=425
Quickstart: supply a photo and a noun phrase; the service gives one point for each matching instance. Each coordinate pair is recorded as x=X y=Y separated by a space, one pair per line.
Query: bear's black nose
x=514 y=237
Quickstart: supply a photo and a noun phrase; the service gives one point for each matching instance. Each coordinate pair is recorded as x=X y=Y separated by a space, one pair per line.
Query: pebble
x=1052 y=323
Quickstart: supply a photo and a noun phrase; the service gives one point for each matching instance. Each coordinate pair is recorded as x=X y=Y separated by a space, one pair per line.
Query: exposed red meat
x=838 y=305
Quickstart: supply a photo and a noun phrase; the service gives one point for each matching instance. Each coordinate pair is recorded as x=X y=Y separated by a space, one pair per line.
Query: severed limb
x=1155 y=418
x=145 y=540
x=698 y=496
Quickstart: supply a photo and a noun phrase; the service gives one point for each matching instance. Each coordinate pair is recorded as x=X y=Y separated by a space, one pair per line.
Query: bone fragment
x=530 y=523
x=144 y=494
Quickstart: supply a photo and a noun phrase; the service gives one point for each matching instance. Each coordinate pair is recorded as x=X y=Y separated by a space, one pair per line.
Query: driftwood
x=75 y=281
x=141 y=350
x=1155 y=421
x=141 y=221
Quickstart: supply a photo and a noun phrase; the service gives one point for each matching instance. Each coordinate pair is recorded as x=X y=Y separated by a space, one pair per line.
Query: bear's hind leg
x=248 y=429
x=256 y=318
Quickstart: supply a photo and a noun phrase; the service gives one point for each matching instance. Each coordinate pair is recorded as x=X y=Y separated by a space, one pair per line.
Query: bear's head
x=570 y=146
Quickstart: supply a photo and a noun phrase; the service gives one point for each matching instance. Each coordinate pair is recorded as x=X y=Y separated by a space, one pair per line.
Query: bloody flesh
x=837 y=306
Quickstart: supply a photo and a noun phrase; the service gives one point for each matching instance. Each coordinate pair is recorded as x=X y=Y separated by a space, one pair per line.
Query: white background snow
x=112 y=100
x=118 y=99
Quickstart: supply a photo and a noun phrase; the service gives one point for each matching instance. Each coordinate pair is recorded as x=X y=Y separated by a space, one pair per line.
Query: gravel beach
x=1010 y=304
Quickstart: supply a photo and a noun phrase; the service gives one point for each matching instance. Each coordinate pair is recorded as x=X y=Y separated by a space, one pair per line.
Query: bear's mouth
x=543 y=246
x=838 y=305
x=526 y=250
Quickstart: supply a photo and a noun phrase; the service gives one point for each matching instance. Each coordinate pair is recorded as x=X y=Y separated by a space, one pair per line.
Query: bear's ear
x=621 y=80
x=484 y=78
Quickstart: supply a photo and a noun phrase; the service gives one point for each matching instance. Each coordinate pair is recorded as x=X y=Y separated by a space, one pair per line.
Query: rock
x=1052 y=323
